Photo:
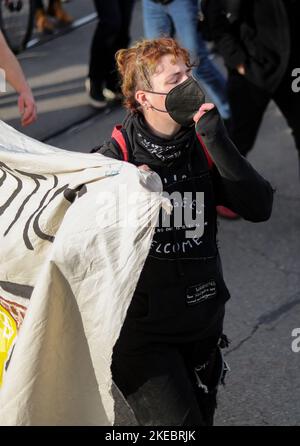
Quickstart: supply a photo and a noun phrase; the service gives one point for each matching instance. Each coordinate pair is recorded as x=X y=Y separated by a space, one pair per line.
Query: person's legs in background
x=288 y=102
x=248 y=104
x=157 y=23
x=42 y=22
x=55 y=10
x=122 y=41
x=114 y=17
x=109 y=23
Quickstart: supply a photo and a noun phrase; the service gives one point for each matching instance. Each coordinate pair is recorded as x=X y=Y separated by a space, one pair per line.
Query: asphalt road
x=261 y=261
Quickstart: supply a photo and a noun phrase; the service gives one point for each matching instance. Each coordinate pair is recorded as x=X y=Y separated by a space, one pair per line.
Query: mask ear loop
x=155 y=92
x=151 y=106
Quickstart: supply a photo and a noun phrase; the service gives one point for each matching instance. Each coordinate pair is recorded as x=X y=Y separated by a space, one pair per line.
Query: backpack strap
x=206 y=152
x=121 y=139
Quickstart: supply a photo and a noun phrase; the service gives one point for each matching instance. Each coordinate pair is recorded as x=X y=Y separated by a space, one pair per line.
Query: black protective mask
x=183 y=101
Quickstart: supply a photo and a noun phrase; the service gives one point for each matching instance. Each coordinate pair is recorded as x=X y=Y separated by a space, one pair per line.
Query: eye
x=174 y=81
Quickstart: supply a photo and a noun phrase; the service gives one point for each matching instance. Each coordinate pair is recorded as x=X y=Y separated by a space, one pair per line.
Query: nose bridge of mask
x=184 y=100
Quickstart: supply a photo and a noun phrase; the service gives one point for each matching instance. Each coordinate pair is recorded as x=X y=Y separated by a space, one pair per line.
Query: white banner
x=71 y=251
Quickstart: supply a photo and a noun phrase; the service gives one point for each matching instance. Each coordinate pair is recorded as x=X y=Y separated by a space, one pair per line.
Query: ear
x=141 y=98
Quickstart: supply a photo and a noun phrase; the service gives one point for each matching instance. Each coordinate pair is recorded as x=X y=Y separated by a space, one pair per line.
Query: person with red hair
x=167 y=361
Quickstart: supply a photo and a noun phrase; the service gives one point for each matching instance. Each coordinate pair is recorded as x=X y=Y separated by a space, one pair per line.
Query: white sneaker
x=96 y=99
x=112 y=95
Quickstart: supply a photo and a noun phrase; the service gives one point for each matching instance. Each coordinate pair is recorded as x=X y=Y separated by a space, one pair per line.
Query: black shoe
x=96 y=97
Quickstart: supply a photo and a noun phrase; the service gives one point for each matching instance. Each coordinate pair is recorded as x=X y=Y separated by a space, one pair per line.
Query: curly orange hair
x=138 y=63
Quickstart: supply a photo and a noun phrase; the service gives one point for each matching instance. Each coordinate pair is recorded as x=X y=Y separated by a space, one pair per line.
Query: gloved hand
x=209 y=122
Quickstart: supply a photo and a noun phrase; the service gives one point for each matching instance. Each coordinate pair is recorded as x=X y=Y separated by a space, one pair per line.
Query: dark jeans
x=112 y=34
x=160 y=384
x=248 y=104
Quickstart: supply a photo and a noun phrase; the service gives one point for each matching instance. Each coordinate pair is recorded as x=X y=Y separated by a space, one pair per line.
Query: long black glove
x=244 y=189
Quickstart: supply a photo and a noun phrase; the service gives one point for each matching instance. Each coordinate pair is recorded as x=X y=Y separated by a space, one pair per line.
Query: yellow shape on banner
x=8 y=332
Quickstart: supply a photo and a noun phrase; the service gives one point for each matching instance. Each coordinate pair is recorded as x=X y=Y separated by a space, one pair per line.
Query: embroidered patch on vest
x=199 y=293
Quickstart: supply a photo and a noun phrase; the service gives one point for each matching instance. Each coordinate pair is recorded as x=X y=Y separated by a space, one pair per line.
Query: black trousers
x=162 y=387
x=248 y=104
x=158 y=377
x=111 y=34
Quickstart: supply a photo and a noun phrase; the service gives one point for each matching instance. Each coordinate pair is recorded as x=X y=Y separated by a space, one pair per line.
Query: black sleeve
x=237 y=184
x=109 y=149
x=224 y=33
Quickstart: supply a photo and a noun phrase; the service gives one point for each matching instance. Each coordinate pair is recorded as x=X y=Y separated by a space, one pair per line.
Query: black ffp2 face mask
x=183 y=101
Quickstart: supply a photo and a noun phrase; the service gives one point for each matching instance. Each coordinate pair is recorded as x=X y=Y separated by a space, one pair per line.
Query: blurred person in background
x=55 y=10
x=15 y=77
x=180 y=19
x=111 y=34
x=259 y=43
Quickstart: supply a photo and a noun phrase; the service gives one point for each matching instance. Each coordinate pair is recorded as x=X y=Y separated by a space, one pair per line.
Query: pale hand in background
x=27 y=108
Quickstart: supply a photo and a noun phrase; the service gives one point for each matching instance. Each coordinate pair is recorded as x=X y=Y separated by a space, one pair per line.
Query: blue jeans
x=180 y=18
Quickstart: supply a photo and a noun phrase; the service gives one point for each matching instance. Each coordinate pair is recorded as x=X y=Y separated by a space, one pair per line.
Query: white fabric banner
x=75 y=230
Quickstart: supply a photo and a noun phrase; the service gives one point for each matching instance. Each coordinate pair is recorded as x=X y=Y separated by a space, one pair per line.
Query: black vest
x=181 y=293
